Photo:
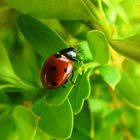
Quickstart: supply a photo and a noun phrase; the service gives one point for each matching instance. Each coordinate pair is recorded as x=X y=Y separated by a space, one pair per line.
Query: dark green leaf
x=24 y=63
x=129 y=47
x=80 y=92
x=43 y=39
x=99 y=46
x=83 y=125
x=60 y=9
x=3 y=97
x=25 y=123
x=55 y=121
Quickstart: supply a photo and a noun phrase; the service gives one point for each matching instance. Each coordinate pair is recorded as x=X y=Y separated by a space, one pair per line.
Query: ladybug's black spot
x=65 y=70
x=54 y=83
x=54 y=68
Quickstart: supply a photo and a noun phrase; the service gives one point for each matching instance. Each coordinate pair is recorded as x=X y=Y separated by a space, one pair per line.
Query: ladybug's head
x=70 y=53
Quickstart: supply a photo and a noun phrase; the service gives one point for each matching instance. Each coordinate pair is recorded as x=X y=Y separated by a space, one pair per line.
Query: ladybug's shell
x=55 y=71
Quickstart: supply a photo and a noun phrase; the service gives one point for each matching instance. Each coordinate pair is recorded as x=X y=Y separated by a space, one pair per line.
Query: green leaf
x=5 y=64
x=21 y=54
x=60 y=9
x=3 y=98
x=43 y=39
x=111 y=75
x=55 y=121
x=6 y=86
x=85 y=52
x=112 y=116
x=136 y=9
x=74 y=27
x=83 y=129
x=41 y=135
x=7 y=73
x=96 y=105
x=80 y=92
x=129 y=89
x=99 y=46
x=57 y=96
x=3 y=5
x=25 y=123
x=6 y=126
x=129 y=47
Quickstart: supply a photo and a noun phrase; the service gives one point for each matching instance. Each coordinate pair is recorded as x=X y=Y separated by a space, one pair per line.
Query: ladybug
x=58 y=67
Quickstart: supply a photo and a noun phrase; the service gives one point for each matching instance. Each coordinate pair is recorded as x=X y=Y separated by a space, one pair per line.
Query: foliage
x=104 y=104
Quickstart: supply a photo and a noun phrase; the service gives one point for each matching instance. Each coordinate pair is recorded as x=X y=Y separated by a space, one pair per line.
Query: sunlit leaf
x=129 y=89
x=5 y=64
x=99 y=46
x=84 y=51
x=60 y=9
x=40 y=135
x=129 y=47
x=111 y=75
x=6 y=124
x=96 y=105
x=7 y=73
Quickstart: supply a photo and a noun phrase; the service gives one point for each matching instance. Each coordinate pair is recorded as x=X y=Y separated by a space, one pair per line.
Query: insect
x=58 y=67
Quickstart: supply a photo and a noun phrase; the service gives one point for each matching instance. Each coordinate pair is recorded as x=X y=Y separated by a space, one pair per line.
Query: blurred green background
x=105 y=104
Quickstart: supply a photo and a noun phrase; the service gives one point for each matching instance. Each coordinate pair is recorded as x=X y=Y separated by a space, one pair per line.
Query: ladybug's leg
x=77 y=60
x=58 y=55
x=74 y=59
x=72 y=76
x=64 y=84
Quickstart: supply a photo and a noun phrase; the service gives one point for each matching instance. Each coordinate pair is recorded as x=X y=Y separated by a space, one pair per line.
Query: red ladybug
x=58 y=67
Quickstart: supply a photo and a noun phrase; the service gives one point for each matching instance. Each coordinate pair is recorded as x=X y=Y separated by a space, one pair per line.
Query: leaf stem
x=92 y=65
x=98 y=17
